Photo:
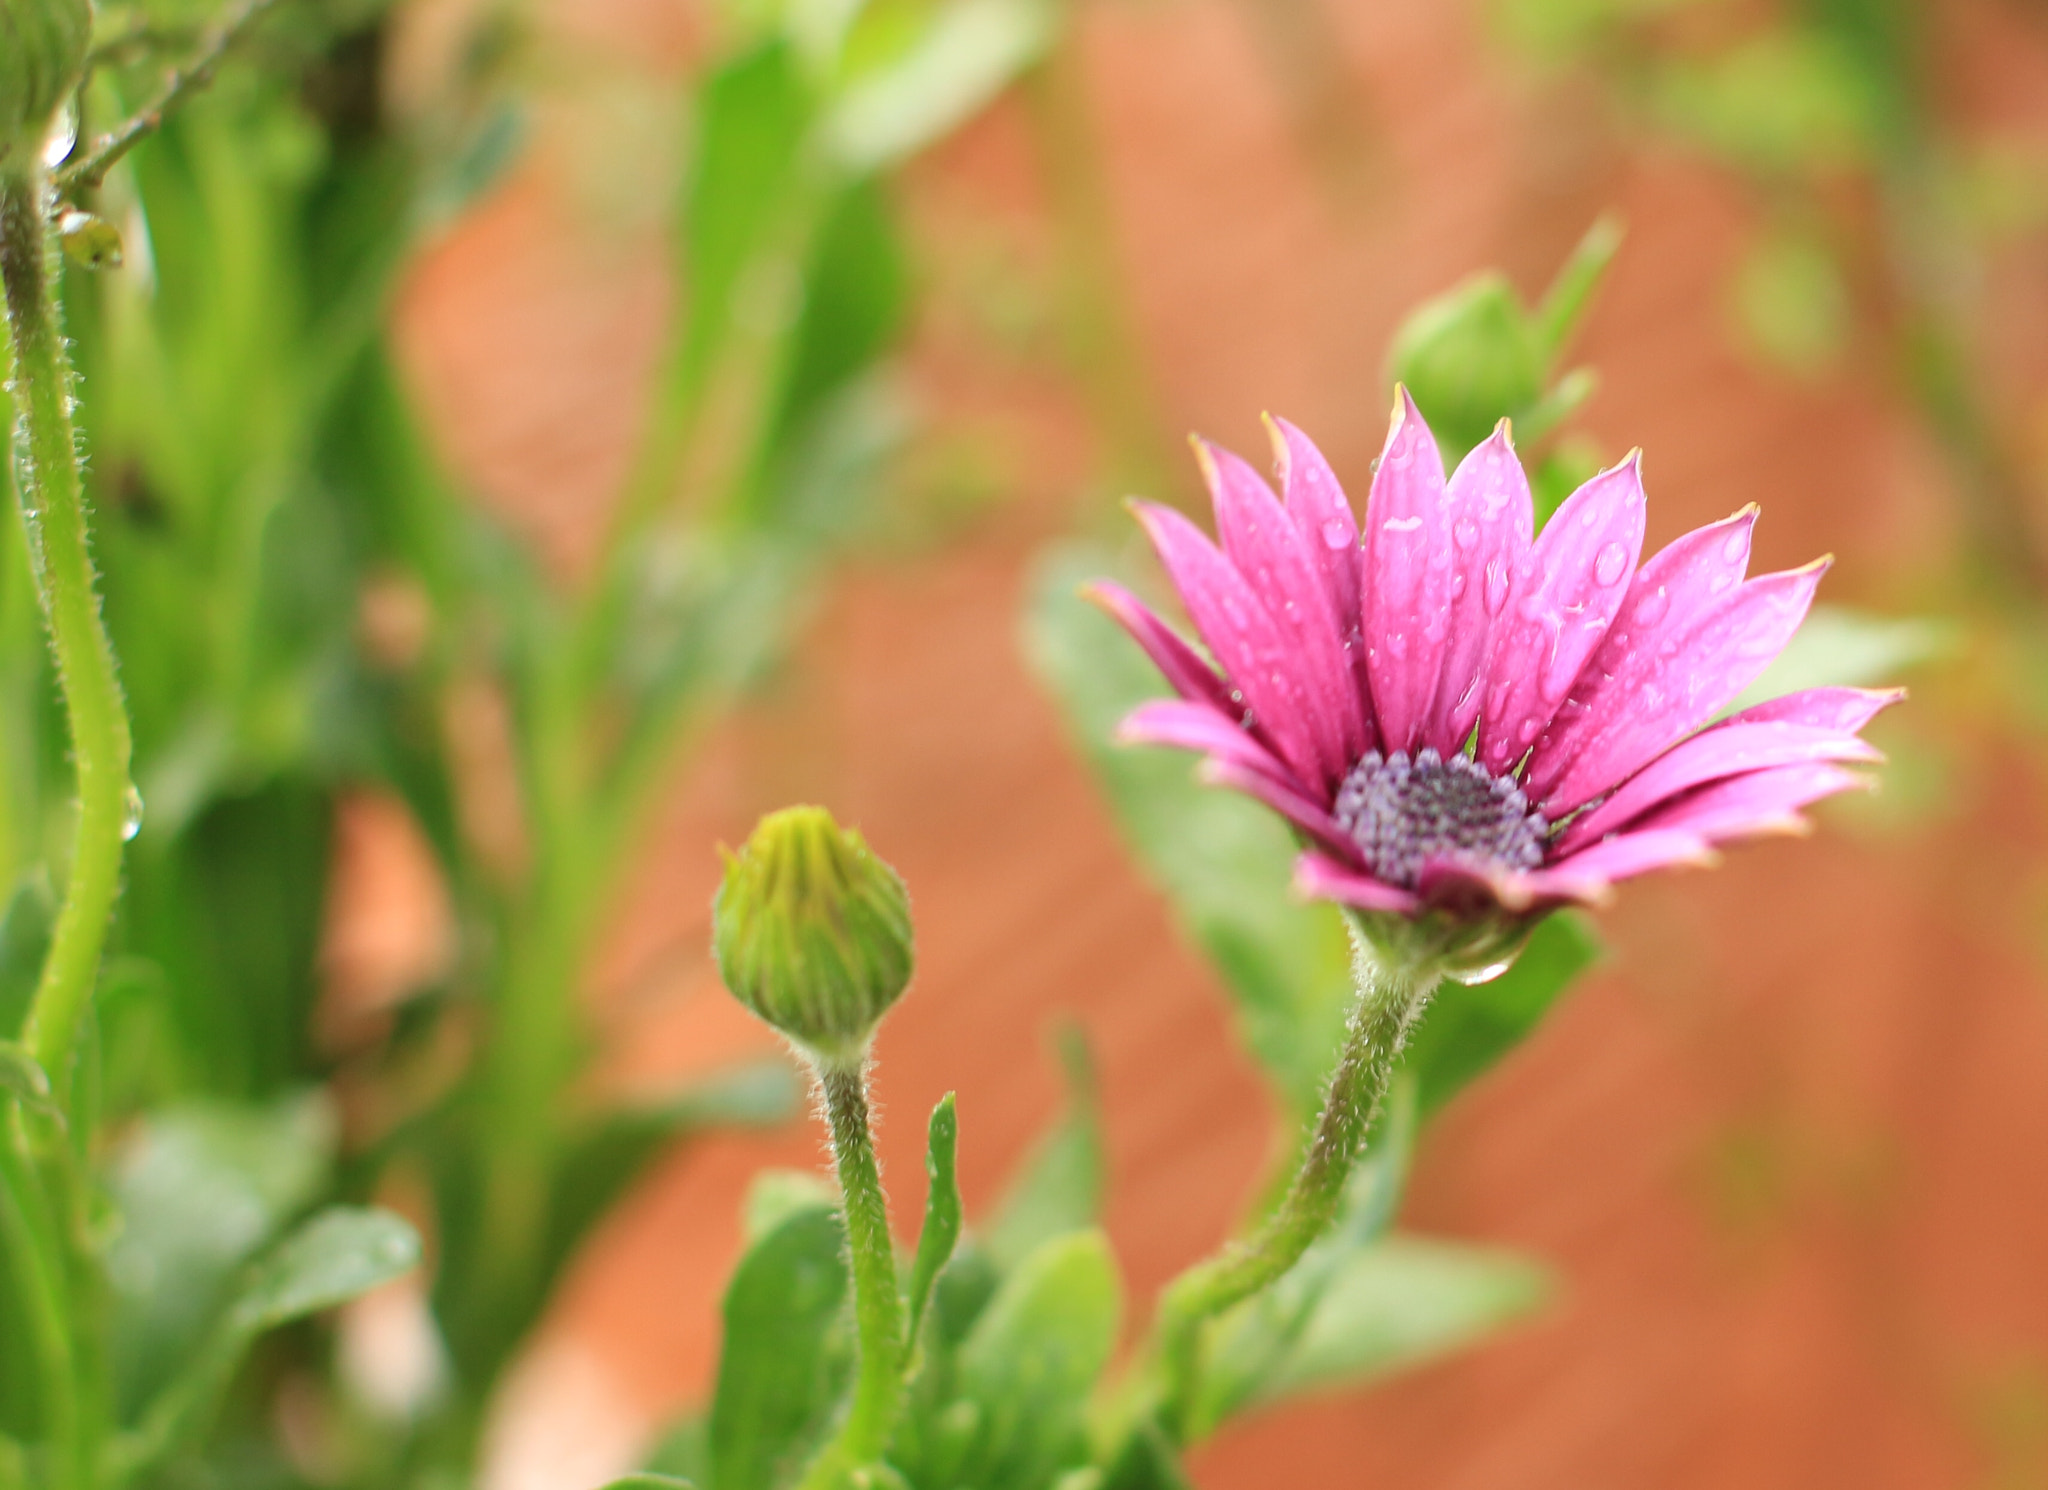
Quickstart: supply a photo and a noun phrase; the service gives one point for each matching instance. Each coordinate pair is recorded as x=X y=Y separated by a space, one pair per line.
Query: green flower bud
x=1469 y=360
x=812 y=932
x=42 y=55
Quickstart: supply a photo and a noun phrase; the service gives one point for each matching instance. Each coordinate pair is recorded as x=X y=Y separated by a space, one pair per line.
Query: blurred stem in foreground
x=1394 y=986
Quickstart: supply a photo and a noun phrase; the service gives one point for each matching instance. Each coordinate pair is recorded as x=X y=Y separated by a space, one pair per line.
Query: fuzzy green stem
x=1392 y=993
x=53 y=508
x=877 y=1305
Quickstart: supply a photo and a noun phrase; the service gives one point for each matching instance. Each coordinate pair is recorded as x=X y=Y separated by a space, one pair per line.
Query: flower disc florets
x=1470 y=721
x=1404 y=814
x=812 y=932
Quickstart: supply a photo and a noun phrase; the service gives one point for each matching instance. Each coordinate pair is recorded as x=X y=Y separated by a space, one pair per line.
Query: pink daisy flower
x=1464 y=718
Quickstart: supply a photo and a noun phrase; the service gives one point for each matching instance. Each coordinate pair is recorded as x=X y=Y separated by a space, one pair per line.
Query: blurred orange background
x=1783 y=1150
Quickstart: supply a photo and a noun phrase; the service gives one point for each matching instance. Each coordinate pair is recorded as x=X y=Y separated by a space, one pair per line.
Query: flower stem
x=53 y=510
x=36 y=1260
x=1392 y=993
x=877 y=1305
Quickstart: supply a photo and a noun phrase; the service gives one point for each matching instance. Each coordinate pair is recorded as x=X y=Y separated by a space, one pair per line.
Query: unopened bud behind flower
x=812 y=932
x=42 y=53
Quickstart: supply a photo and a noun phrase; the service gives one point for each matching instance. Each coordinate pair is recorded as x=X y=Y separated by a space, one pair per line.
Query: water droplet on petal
x=1526 y=731
x=1336 y=534
x=1736 y=546
x=1402 y=524
x=1465 y=533
x=1609 y=566
x=1458 y=585
x=1654 y=606
x=131 y=815
x=1719 y=583
x=1496 y=586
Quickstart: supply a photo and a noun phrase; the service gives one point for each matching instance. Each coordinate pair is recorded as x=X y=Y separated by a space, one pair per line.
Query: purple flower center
x=1403 y=813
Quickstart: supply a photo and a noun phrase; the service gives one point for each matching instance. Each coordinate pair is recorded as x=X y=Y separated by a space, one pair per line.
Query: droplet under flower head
x=1470 y=723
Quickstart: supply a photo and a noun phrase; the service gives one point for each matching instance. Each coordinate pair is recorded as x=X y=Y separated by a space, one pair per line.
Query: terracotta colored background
x=1784 y=1151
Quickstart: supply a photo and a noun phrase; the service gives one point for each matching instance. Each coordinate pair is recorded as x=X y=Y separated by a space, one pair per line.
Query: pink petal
x=1406 y=604
x=1322 y=514
x=1565 y=592
x=1182 y=667
x=1468 y=887
x=1761 y=802
x=1189 y=726
x=1664 y=601
x=1491 y=521
x=1266 y=547
x=1728 y=749
x=1685 y=680
x=1843 y=709
x=1233 y=621
x=1322 y=878
x=1281 y=794
x=1585 y=875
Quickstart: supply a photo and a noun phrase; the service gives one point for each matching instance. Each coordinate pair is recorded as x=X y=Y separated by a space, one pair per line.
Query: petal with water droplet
x=1320 y=509
x=1844 y=709
x=1245 y=639
x=1728 y=749
x=1190 y=726
x=1489 y=496
x=1720 y=652
x=1558 y=611
x=1664 y=599
x=1264 y=543
x=1585 y=875
x=1407 y=578
x=1760 y=802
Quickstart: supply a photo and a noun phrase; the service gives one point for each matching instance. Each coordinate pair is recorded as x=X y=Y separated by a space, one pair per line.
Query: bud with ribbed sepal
x=812 y=932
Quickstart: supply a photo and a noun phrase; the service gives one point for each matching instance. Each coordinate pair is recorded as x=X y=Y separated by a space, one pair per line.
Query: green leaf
x=781 y=1368
x=1033 y=1357
x=1060 y=1189
x=649 y=1481
x=341 y=1253
x=1845 y=648
x=941 y=1231
x=1397 y=1305
x=1467 y=1029
x=1225 y=863
x=1571 y=292
x=969 y=51
x=199 y=1190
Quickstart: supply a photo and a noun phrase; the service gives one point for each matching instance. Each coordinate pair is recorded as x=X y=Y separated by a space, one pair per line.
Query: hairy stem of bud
x=1392 y=993
x=53 y=508
x=877 y=1303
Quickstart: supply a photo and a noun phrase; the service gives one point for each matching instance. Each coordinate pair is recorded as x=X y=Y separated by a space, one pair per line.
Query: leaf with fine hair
x=941 y=1230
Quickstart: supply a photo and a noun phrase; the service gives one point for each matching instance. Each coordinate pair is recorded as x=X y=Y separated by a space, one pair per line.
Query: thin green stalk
x=877 y=1305
x=52 y=502
x=1392 y=993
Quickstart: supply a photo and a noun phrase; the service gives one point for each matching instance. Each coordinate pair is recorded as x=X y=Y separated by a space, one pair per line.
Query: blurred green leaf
x=941 y=1230
x=1400 y=1304
x=1467 y=1029
x=1570 y=296
x=1845 y=648
x=340 y=1253
x=968 y=52
x=1782 y=101
x=648 y=1481
x=780 y=1370
x=1792 y=303
x=1060 y=1187
x=199 y=1190
x=774 y=1195
x=1034 y=1356
x=1224 y=862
